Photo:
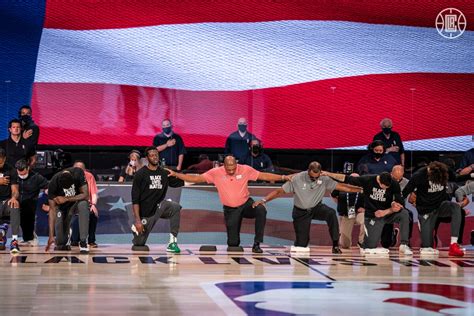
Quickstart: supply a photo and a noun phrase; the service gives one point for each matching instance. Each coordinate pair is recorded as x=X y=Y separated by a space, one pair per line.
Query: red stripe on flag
x=318 y=115
x=88 y=14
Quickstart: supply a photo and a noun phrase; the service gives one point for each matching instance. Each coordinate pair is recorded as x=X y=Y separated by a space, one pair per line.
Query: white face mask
x=23 y=177
x=133 y=163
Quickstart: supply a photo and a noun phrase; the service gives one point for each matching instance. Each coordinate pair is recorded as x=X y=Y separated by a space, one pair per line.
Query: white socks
x=173 y=238
x=14 y=237
x=454 y=240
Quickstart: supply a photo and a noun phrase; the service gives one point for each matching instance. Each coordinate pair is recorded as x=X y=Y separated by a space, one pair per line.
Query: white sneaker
x=375 y=251
x=299 y=249
x=404 y=249
x=35 y=241
x=429 y=251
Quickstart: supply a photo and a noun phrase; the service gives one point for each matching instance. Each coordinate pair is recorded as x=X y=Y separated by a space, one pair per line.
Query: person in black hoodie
x=432 y=201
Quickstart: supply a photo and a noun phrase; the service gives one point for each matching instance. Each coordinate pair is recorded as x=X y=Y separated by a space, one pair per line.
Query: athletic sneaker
x=14 y=248
x=3 y=239
x=405 y=249
x=299 y=249
x=83 y=247
x=173 y=248
x=429 y=251
x=336 y=250
x=375 y=251
x=455 y=250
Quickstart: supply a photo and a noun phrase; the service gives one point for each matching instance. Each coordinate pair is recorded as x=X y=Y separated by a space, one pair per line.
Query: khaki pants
x=345 y=227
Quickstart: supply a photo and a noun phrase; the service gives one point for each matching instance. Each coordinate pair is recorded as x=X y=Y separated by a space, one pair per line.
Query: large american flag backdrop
x=306 y=73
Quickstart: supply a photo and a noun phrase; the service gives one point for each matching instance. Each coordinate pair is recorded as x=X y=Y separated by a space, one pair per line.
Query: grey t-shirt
x=466 y=189
x=308 y=194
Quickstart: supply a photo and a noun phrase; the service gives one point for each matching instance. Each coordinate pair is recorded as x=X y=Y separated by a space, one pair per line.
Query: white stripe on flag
x=242 y=56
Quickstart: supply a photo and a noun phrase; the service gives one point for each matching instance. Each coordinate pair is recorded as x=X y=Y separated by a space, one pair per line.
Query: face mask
x=242 y=128
x=167 y=130
x=378 y=155
x=132 y=163
x=23 y=176
x=256 y=149
x=386 y=130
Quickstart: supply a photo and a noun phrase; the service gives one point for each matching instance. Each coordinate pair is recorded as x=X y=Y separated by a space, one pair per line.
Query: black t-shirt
x=6 y=190
x=172 y=153
x=54 y=189
x=16 y=151
x=429 y=196
x=125 y=175
x=354 y=199
x=149 y=188
x=30 y=187
x=376 y=198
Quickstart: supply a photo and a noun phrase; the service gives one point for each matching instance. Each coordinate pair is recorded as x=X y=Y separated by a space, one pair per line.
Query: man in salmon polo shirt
x=231 y=181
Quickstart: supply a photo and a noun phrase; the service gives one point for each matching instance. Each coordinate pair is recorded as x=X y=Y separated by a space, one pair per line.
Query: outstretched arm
x=336 y=176
x=270 y=196
x=193 y=178
x=265 y=176
x=348 y=188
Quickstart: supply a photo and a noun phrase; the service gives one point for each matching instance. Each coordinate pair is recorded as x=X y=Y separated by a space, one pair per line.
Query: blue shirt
x=238 y=146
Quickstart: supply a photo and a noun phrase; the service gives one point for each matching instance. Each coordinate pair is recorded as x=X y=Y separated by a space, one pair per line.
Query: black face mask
x=242 y=128
x=377 y=155
x=25 y=118
x=387 y=130
x=256 y=149
x=167 y=130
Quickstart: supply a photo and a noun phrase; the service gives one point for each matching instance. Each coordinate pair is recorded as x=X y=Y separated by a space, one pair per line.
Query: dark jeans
x=302 y=223
x=233 y=220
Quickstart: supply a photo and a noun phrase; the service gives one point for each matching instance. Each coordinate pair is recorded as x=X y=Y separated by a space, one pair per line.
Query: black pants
x=166 y=209
x=302 y=223
x=374 y=227
x=428 y=221
x=448 y=220
x=28 y=218
x=387 y=232
x=9 y=215
x=92 y=228
x=233 y=220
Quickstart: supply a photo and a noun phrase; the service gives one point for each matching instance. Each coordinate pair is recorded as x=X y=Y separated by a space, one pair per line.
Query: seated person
x=128 y=172
x=203 y=165
x=376 y=160
x=257 y=159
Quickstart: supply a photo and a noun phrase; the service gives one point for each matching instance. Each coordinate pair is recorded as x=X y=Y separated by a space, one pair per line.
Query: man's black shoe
x=256 y=248
x=336 y=250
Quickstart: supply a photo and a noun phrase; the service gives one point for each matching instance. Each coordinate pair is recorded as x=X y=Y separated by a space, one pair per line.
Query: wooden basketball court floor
x=113 y=280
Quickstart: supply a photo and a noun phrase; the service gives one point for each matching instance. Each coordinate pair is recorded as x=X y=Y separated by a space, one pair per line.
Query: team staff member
x=309 y=188
x=231 y=181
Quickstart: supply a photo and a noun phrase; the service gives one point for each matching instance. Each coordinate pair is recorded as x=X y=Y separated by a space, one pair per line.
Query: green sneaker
x=173 y=247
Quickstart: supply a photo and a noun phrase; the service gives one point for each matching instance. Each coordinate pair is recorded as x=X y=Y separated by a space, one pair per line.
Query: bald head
x=242 y=121
x=397 y=173
x=230 y=165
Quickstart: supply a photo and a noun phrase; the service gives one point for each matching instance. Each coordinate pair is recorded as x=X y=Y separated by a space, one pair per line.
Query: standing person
x=68 y=194
x=237 y=144
x=467 y=163
x=128 y=172
x=383 y=204
x=15 y=146
x=30 y=131
x=432 y=201
x=392 y=141
x=93 y=211
x=170 y=146
x=350 y=207
x=30 y=184
x=149 y=205
x=231 y=181
x=9 y=205
x=309 y=188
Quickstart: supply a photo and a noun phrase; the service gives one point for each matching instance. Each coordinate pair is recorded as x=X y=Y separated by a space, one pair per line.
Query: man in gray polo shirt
x=309 y=188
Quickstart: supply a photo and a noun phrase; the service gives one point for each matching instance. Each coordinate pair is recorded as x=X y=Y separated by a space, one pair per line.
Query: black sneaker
x=256 y=248
x=83 y=247
x=74 y=243
x=336 y=250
